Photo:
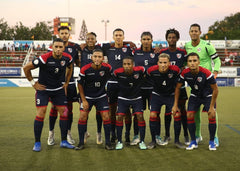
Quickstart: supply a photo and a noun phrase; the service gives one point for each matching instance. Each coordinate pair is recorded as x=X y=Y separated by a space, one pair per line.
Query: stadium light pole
x=105 y=24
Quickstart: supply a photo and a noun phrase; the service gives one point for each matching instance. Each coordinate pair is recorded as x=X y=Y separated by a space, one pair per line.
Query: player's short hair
x=164 y=55
x=172 y=31
x=118 y=29
x=129 y=57
x=98 y=50
x=192 y=54
x=58 y=40
x=63 y=28
x=195 y=25
x=146 y=33
x=92 y=33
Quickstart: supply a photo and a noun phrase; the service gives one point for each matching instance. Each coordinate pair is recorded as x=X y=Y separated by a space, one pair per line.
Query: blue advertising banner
x=7 y=83
x=10 y=72
x=221 y=82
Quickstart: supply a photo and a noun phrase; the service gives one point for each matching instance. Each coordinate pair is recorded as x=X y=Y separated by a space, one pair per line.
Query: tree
x=83 y=32
x=42 y=31
x=6 y=33
x=229 y=28
x=21 y=32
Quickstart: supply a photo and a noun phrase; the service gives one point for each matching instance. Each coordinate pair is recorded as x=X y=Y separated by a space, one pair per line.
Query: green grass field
x=17 y=113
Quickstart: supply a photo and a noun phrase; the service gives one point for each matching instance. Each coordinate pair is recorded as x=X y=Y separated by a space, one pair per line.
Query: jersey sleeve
x=214 y=56
x=81 y=77
x=37 y=62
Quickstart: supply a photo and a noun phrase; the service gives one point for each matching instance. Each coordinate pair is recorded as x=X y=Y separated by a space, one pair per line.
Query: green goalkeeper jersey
x=207 y=53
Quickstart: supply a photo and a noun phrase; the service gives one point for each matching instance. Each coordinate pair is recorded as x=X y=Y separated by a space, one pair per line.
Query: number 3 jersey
x=94 y=81
x=51 y=70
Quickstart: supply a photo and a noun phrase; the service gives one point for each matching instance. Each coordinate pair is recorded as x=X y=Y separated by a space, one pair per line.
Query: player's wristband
x=32 y=82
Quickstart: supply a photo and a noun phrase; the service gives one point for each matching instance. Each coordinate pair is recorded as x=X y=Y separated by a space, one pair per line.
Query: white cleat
x=51 y=140
x=70 y=139
x=86 y=136
x=99 y=138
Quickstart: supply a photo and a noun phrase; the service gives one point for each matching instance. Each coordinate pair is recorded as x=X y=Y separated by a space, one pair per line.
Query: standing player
x=86 y=58
x=207 y=54
x=91 y=85
x=164 y=77
x=145 y=57
x=71 y=49
x=204 y=91
x=52 y=68
x=177 y=57
x=115 y=54
x=129 y=80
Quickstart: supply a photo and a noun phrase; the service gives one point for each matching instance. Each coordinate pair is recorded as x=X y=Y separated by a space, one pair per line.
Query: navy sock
x=38 y=125
x=168 y=118
x=191 y=128
x=128 y=127
x=99 y=122
x=184 y=122
x=212 y=128
x=153 y=125
x=158 y=125
x=135 y=125
x=70 y=115
x=82 y=128
x=119 y=126
x=52 y=118
x=142 y=130
x=63 y=122
x=107 y=128
x=177 y=127
x=113 y=126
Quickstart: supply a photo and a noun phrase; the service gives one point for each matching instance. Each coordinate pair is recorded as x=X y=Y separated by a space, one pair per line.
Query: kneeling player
x=204 y=91
x=130 y=80
x=91 y=85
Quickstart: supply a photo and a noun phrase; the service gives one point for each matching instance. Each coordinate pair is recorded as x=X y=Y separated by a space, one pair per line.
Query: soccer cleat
x=135 y=140
x=187 y=141
x=70 y=139
x=99 y=138
x=37 y=146
x=216 y=141
x=212 y=146
x=158 y=139
x=65 y=144
x=151 y=145
x=109 y=147
x=165 y=141
x=51 y=140
x=142 y=146
x=86 y=136
x=179 y=145
x=119 y=146
x=79 y=147
x=199 y=139
x=192 y=145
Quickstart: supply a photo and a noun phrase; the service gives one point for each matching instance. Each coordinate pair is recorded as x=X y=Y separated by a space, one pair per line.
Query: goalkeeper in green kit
x=208 y=59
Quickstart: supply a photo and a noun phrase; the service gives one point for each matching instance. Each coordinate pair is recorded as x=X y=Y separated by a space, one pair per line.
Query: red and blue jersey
x=199 y=83
x=163 y=83
x=94 y=81
x=179 y=57
x=51 y=70
x=86 y=55
x=129 y=85
x=115 y=55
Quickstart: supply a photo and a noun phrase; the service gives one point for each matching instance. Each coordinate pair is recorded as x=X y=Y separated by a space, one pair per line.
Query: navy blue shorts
x=157 y=101
x=72 y=95
x=100 y=103
x=112 y=92
x=124 y=105
x=194 y=104
x=146 y=95
x=58 y=98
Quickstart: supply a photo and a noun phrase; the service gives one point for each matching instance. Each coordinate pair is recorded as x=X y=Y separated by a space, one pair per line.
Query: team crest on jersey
x=136 y=76
x=179 y=55
x=70 y=50
x=199 y=49
x=62 y=63
x=170 y=75
x=152 y=55
x=101 y=73
x=35 y=61
x=124 y=49
x=199 y=79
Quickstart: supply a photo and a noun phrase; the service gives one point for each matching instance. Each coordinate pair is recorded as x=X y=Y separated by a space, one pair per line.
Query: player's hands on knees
x=85 y=105
x=175 y=110
x=211 y=113
x=39 y=86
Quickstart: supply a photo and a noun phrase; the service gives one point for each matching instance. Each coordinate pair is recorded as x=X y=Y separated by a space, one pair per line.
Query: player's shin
x=107 y=128
x=177 y=127
x=82 y=128
x=212 y=128
x=153 y=125
x=191 y=127
x=38 y=125
x=63 y=123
